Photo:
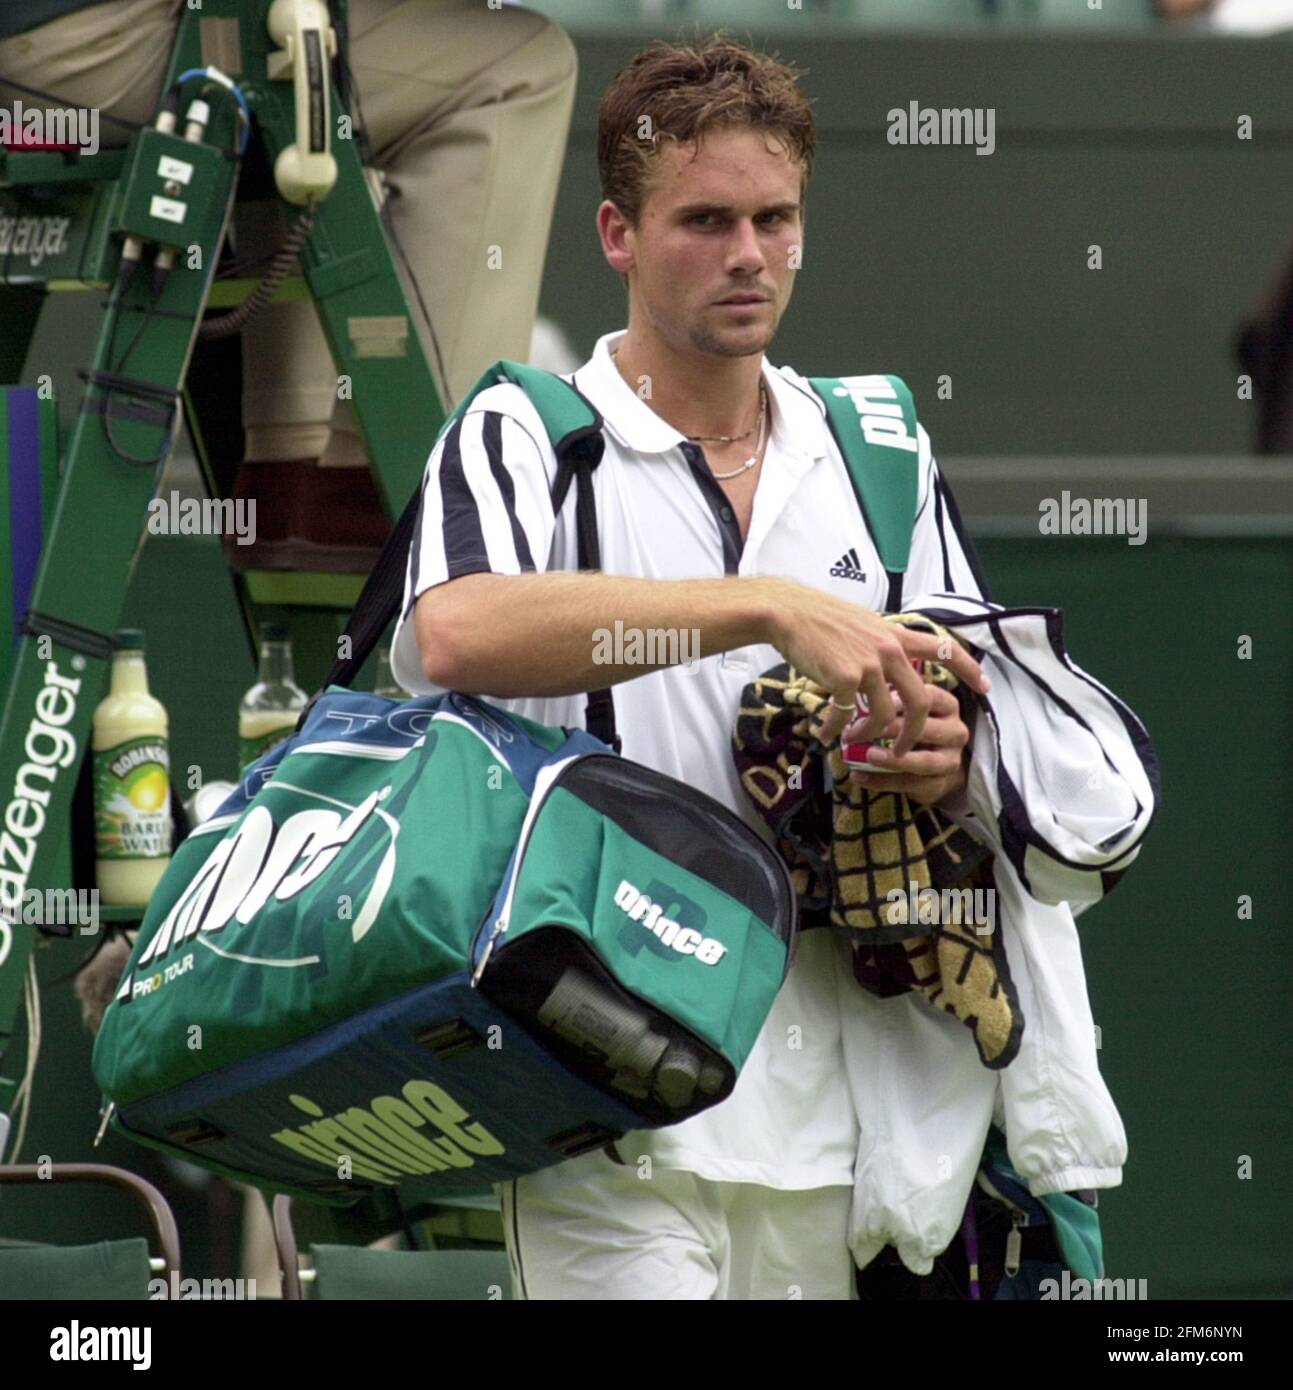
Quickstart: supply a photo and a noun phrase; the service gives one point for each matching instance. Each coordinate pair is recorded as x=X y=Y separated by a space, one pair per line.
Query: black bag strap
x=378 y=602
x=599 y=717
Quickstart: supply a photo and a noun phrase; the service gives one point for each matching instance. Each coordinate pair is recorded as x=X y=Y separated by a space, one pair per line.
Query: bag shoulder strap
x=572 y=423
x=873 y=420
x=574 y=429
x=568 y=417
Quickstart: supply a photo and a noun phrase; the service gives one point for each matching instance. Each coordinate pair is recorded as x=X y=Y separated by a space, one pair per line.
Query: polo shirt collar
x=798 y=419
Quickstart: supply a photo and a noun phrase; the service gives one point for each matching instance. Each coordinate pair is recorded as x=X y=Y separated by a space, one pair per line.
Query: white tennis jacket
x=1063 y=783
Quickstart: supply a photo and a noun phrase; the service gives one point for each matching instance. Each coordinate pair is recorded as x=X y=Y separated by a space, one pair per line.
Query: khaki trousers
x=467 y=110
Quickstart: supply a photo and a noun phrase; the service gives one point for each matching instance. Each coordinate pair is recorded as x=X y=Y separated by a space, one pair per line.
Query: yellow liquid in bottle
x=260 y=730
x=268 y=712
x=132 y=790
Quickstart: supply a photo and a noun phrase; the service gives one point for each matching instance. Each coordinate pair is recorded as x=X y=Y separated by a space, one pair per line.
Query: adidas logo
x=848 y=566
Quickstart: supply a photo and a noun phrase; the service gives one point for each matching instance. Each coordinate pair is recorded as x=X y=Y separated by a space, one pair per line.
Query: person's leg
x=590 y=1228
x=466 y=111
x=787 y=1244
x=111 y=57
x=289 y=382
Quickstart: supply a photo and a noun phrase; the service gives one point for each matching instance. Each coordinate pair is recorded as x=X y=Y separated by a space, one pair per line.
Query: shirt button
x=726 y=513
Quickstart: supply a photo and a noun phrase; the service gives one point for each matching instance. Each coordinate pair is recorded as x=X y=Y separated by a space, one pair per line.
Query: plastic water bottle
x=645 y=1063
x=270 y=709
x=386 y=683
x=587 y=1014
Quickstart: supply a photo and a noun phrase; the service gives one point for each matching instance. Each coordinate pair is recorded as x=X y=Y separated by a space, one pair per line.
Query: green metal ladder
x=54 y=673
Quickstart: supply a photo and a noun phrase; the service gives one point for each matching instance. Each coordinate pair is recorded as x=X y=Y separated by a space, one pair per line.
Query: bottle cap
x=128 y=639
x=273 y=632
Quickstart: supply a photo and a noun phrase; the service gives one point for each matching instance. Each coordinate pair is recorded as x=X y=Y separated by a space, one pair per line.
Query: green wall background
x=1191 y=1001
x=927 y=261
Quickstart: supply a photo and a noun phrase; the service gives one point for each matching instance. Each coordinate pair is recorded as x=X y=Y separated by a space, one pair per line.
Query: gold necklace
x=713 y=438
x=732 y=438
x=758 y=448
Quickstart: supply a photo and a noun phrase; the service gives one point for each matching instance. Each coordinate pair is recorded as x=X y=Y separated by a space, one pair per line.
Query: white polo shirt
x=791 y=1122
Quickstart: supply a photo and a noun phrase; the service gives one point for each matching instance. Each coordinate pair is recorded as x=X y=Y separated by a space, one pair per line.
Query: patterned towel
x=898 y=879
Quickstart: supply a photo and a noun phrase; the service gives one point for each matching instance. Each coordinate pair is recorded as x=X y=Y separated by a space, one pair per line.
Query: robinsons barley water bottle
x=132 y=783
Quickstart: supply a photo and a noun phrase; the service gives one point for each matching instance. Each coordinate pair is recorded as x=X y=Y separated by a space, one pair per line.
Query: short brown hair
x=686 y=90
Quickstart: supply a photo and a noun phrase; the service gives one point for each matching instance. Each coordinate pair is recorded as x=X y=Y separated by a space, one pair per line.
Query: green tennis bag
x=432 y=944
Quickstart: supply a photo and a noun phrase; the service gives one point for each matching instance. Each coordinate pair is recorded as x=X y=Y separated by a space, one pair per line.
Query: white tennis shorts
x=590 y=1228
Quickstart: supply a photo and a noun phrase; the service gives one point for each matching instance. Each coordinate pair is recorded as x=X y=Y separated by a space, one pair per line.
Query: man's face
x=713 y=228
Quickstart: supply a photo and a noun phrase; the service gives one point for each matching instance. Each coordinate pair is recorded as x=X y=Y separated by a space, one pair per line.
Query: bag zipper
x=536 y=805
x=1019 y=1218
x=522 y=844
x=1014 y=1245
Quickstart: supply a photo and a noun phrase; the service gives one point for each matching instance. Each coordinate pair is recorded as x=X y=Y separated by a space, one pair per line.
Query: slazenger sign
x=48 y=748
x=33 y=237
x=261 y=859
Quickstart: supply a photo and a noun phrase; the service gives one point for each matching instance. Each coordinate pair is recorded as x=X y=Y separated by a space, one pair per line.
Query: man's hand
x=848 y=648
x=935 y=769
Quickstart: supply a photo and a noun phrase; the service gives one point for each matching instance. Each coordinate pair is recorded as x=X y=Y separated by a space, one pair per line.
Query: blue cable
x=230 y=86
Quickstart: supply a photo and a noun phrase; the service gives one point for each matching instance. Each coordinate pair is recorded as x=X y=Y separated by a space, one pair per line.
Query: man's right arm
x=535 y=634
x=489 y=617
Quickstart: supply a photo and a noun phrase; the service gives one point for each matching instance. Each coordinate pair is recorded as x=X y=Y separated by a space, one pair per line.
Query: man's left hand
x=935 y=769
